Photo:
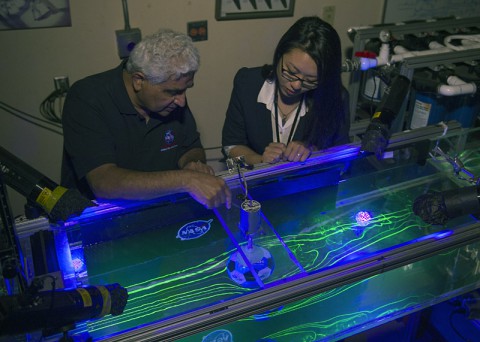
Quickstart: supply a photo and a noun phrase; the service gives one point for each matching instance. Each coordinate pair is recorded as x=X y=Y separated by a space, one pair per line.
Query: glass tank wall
x=309 y=252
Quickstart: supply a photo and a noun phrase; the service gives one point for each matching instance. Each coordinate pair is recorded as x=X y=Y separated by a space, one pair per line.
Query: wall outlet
x=126 y=41
x=329 y=14
x=61 y=83
x=198 y=30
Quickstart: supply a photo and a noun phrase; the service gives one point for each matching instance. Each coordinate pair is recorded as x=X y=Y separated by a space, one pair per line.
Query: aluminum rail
x=339 y=153
x=274 y=296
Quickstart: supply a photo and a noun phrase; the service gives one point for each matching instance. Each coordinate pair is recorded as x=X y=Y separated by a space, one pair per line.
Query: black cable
x=22 y=115
x=243 y=181
x=47 y=107
x=450 y=320
x=373 y=93
x=11 y=110
x=53 y=285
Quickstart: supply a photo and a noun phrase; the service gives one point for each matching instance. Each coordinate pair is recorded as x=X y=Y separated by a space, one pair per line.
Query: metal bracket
x=237 y=162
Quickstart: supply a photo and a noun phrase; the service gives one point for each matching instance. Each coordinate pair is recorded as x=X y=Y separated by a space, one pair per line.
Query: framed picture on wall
x=28 y=14
x=253 y=9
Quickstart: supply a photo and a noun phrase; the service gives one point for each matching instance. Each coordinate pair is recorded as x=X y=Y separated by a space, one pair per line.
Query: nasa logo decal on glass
x=218 y=335
x=194 y=230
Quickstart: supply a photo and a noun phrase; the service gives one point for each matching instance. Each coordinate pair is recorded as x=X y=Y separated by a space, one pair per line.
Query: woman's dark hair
x=321 y=42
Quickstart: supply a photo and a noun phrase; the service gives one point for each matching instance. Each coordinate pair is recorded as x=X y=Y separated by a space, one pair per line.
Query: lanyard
x=297 y=114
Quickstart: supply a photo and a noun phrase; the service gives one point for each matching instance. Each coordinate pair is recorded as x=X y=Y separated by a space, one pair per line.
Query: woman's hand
x=297 y=151
x=274 y=153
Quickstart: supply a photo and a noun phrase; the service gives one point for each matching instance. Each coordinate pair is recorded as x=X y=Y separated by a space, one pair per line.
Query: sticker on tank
x=194 y=229
x=218 y=336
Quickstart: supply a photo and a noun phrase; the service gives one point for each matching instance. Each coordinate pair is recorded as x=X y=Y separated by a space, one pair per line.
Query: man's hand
x=209 y=190
x=199 y=167
x=111 y=182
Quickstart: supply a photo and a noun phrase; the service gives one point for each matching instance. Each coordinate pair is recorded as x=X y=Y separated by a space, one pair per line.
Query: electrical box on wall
x=197 y=30
x=126 y=41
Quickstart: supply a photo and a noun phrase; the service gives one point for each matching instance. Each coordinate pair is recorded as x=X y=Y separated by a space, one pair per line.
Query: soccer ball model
x=262 y=263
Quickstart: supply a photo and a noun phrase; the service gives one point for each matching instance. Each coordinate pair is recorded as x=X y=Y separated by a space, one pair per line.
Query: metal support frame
x=339 y=153
x=9 y=246
x=364 y=34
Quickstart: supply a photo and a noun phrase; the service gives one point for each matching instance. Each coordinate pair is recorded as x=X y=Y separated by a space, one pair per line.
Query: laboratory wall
x=32 y=57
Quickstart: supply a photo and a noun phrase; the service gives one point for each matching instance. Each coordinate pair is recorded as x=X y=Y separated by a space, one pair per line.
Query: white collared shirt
x=267 y=96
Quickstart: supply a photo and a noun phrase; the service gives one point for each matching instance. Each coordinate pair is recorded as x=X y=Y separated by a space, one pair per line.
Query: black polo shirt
x=100 y=125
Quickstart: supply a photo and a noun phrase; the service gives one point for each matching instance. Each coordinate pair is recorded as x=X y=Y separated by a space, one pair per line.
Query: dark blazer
x=248 y=122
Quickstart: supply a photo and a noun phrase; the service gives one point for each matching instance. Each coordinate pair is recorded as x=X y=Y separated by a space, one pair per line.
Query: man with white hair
x=129 y=133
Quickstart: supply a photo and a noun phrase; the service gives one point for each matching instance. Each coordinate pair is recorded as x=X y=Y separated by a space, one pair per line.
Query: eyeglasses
x=291 y=77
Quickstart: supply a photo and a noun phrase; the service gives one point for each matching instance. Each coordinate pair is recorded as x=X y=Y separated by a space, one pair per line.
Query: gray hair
x=164 y=55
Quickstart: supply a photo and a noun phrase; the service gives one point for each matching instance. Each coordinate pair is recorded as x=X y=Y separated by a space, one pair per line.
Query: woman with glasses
x=284 y=111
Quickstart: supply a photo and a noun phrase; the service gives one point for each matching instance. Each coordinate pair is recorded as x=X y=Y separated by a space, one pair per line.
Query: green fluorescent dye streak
x=217 y=263
x=331 y=247
x=328 y=241
x=146 y=302
x=313 y=331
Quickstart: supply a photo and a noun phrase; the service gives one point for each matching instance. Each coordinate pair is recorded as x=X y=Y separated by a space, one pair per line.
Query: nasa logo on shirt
x=169 y=137
x=169 y=141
